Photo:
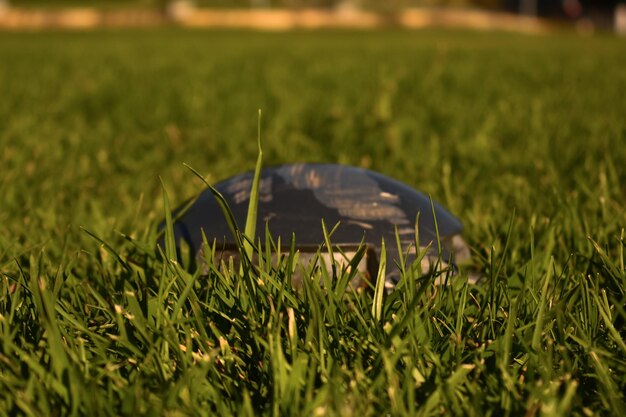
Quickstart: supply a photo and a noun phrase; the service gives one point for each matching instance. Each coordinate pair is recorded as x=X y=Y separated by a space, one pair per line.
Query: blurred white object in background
x=620 y=19
x=179 y=10
x=4 y=6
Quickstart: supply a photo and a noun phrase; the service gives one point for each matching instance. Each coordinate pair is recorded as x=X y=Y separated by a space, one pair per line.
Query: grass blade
x=377 y=306
x=253 y=203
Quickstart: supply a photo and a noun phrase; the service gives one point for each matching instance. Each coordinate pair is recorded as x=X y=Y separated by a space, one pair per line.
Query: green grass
x=521 y=137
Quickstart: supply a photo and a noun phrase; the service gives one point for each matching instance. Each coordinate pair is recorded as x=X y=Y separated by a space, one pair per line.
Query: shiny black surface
x=295 y=199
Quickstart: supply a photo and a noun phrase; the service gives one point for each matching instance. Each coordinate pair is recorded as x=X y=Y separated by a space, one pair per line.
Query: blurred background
x=101 y=98
x=586 y=15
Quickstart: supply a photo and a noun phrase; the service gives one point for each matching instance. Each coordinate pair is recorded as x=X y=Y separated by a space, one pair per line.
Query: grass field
x=521 y=137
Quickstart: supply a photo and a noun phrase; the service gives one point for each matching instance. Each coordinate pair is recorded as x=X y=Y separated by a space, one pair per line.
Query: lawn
x=521 y=137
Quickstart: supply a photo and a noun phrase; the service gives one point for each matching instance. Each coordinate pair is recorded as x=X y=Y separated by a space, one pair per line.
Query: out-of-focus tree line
x=550 y=8
x=376 y=4
x=367 y=4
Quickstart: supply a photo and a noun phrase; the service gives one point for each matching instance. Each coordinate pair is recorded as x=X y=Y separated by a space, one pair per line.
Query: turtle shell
x=294 y=199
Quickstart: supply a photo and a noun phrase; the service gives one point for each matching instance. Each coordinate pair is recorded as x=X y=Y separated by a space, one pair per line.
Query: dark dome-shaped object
x=295 y=198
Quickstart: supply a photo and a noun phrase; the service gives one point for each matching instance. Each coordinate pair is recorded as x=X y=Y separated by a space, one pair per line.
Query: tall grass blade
x=542 y=309
x=170 y=244
x=107 y=247
x=253 y=203
x=221 y=201
x=377 y=306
